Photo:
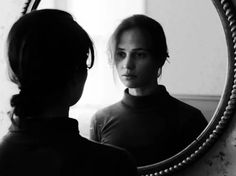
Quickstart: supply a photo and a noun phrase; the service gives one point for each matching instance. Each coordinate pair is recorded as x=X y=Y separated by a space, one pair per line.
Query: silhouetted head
x=152 y=31
x=47 y=49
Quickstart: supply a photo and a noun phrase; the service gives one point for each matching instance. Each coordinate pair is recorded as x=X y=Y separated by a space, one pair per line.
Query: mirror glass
x=195 y=72
x=196 y=69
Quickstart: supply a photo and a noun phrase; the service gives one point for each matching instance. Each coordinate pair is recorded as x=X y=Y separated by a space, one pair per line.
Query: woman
x=148 y=122
x=47 y=54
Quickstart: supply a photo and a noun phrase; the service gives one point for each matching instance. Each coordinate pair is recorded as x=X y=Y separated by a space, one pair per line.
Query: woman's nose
x=128 y=62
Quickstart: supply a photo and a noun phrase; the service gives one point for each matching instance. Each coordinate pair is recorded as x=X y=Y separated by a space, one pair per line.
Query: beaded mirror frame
x=224 y=111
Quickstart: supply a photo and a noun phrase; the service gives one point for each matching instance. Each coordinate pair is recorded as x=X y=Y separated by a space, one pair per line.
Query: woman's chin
x=130 y=85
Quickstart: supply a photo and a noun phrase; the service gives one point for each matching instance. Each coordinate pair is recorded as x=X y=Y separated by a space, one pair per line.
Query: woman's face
x=135 y=65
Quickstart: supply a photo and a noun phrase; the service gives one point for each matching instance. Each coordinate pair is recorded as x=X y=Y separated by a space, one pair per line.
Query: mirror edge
x=224 y=110
x=30 y=5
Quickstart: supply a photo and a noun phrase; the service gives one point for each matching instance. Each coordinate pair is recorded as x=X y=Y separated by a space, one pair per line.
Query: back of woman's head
x=46 y=48
x=149 y=26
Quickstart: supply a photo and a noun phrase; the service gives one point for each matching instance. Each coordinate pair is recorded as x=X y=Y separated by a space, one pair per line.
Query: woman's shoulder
x=189 y=114
x=177 y=104
x=108 y=111
x=184 y=107
x=104 y=150
x=115 y=159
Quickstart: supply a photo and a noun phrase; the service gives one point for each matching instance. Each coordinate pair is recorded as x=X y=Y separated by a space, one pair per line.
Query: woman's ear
x=76 y=87
x=159 y=72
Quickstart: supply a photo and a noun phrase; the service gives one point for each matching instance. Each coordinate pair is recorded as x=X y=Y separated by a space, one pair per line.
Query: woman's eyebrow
x=141 y=49
x=135 y=49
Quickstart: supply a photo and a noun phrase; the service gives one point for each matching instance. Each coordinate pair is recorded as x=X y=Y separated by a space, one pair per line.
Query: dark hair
x=148 y=25
x=46 y=48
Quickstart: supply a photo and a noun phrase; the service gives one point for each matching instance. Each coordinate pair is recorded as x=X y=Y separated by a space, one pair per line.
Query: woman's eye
x=141 y=54
x=121 y=54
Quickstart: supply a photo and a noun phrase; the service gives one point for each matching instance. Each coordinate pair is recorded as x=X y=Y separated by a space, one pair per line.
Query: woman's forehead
x=134 y=38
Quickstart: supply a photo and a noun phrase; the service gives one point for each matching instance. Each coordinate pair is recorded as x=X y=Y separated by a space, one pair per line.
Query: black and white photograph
x=117 y=88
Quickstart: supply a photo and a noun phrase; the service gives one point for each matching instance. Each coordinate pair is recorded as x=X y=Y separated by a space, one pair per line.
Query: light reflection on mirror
x=197 y=65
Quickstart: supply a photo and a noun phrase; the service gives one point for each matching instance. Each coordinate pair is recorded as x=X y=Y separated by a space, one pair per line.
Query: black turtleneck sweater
x=54 y=147
x=152 y=128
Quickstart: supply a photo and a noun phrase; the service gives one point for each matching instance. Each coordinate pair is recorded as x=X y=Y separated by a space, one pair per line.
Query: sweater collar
x=60 y=124
x=158 y=97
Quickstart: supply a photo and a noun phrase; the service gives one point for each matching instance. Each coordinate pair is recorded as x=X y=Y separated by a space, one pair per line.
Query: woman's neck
x=55 y=112
x=142 y=91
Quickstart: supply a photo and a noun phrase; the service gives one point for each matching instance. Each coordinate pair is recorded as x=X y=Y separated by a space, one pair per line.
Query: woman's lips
x=129 y=76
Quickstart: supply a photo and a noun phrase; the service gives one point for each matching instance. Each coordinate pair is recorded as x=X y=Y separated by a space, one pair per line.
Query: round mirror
x=198 y=72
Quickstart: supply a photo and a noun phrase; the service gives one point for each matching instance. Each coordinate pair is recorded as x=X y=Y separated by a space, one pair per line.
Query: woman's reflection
x=148 y=122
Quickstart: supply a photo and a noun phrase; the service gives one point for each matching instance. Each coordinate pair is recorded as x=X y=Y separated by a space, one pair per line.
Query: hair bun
x=18 y=102
x=15 y=100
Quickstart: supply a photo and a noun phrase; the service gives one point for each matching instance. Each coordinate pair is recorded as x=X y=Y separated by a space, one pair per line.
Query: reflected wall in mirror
x=197 y=66
x=195 y=72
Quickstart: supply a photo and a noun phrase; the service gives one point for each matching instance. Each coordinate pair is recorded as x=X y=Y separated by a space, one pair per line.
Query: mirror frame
x=30 y=5
x=224 y=111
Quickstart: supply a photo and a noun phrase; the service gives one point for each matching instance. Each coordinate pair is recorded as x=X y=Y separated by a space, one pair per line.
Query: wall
x=196 y=43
